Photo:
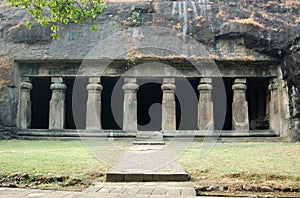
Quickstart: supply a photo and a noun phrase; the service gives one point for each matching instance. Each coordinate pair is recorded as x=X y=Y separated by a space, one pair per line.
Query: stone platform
x=146 y=163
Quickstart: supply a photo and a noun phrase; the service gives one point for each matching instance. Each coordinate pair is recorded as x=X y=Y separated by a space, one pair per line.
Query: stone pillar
x=240 y=120
x=205 y=105
x=168 y=105
x=57 y=104
x=274 y=107
x=93 y=107
x=130 y=105
x=25 y=105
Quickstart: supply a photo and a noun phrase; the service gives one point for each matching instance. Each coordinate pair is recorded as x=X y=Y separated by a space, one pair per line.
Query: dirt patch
x=249 y=184
x=17 y=180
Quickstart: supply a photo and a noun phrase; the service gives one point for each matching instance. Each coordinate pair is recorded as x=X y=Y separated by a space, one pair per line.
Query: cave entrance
x=40 y=96
x=221 y=121
x=149 y=109
x=112 y=102
x=258 y=100
x=186 y=97
x=76 y=98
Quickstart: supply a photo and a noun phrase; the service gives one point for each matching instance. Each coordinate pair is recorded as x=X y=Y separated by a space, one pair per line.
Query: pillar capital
x=239 y=84
x=168 y=87
x=239 y=87
x=58 y=86
x=26 y=85
x=130 y=86
x=273 y=84
x=204 y=87
x=94 y=86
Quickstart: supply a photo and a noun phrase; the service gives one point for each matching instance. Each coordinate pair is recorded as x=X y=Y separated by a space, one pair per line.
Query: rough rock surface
x=267 y=28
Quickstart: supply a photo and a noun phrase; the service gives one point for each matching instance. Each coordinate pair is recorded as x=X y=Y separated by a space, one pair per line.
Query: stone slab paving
x=146 y=163
x=110 y=190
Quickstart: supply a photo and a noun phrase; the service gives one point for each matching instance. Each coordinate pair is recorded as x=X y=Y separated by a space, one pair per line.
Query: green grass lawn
x=50 y=159
x=272 y=164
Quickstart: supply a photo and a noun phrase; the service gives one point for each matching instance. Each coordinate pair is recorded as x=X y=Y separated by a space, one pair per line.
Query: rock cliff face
x=265 y=30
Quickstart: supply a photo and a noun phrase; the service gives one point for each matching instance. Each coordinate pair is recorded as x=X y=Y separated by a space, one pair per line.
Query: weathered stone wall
x=230 y=30
x=291 y=71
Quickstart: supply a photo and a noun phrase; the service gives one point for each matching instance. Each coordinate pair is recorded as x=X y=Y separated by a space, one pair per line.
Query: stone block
x=169 y=81
x=132 y=177
x=240 y=81
x=205 y=81
x=129 y=80
x=94 y=80
x=114 y=177
x=57 y=80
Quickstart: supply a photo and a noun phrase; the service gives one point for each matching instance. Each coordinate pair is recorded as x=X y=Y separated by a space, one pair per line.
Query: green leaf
x=94 y=28
x=61 y=11
x=28 y=25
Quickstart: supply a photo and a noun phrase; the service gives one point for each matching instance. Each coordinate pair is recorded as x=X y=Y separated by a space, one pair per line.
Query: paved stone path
x=147 y=163
x=110 y=190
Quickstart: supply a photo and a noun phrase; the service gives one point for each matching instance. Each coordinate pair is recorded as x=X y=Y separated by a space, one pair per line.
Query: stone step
x=149 y=143
x=149 y=136
x=145 y=177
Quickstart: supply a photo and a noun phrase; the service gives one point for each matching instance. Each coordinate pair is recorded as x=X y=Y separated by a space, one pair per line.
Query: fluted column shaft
x=273 y=108
x=130 y=105
x=205 y=105
x=25 y=105
x=93 y=109
x=240 y=120
x=168 y=105
x=57 y=104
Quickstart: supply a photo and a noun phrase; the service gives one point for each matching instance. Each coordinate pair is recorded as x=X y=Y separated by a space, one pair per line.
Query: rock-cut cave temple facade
x=190 y=68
